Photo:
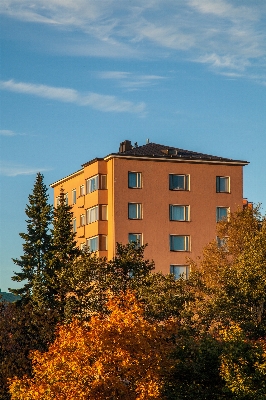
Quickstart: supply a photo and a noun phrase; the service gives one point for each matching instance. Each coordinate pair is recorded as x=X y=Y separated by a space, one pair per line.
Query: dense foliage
x=36 y=246
x=116 y=355
x=127 y=332
x=22 y=329
x=64 y=252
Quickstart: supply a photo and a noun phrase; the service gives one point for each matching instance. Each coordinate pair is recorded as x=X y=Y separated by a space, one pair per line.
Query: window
x=179 y=271
x=92 y=184
x=222 y=213
x=82 y=246
x=93 y=243
x=134 y=180
x=179 y=243
x=82 y=190
x=179 y=213
x=103 y=242
x=222 y=184
x=96 y=182
x=103 y=181
x=103 y=212
x=57 y=201
x=96 y=213
x=222 y=242
x=92 y=214
x=178 y=182
x=82 y=220
x=66 y=199
x=135 y=238
x=74 y=225
x=74 y=196
x=134 y=211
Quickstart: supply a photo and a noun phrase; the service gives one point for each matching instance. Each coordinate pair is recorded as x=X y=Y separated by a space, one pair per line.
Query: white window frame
x=175 y=269
x=186 y=239
x=92 y=184
x=222 y=242
x=82 y=190
x=222 y=218
x=74 y=196
x=66 y=199
x=218 y=184
x=82 y=220
x=135 y=238
x=138 y=177
x=186 y=211
x=186 y=179
x=95 y=241
x=92 y=214
x=138 y=209
x=74 y=222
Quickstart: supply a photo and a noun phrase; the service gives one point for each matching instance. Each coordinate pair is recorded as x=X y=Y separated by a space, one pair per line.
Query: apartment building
x=164 y=196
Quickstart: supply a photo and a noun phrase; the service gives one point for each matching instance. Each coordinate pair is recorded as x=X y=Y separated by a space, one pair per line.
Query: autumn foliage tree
x=232 y=274
x=118 y=355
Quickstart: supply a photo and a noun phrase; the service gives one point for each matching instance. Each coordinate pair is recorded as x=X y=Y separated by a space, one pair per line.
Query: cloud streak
x=12 y=170
x=130 y=80
x=223 y=34
x=7 y=132
x=105 y=103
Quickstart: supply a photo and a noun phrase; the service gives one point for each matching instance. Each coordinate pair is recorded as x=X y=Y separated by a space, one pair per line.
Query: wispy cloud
x=130 y=80
x=223 y=34
x=224 y=9
x=221 y=62
x=13 y=169
x=7 y=132
x=97 y=101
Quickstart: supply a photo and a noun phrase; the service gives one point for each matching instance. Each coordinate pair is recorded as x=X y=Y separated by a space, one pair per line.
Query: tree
x=243 y=364
x=23 y=328
x=63 y=253
x=232 y=274
x=90 y=277
x=118 y=355
x=227 y=288
x=37 y=244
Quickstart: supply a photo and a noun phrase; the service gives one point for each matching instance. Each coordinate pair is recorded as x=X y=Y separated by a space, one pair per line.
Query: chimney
x=125 y=146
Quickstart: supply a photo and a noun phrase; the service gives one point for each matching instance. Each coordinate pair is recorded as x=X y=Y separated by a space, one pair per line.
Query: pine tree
x=37 y=244
x=64 y=252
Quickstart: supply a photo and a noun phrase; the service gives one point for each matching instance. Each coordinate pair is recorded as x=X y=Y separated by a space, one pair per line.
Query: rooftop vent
x=125 y=146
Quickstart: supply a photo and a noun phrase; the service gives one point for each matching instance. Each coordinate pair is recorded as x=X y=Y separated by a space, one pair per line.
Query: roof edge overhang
x=52 y=185
x=179 y=160
x=94 y=160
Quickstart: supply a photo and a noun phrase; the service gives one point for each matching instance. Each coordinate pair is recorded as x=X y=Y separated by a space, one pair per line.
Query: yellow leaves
x=118 y=355
x=243 y=363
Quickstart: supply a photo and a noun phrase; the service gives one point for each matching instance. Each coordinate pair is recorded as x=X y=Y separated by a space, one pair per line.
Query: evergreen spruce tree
x=64 y=252
x=37 y=244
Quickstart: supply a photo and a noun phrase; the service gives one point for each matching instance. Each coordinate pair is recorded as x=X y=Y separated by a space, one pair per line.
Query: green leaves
x=37 y=242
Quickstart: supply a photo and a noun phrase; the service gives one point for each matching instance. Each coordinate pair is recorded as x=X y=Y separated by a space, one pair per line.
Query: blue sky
x=80 y=76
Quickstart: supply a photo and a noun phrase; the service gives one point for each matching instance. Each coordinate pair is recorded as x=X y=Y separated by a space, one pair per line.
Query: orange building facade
x=167 y=197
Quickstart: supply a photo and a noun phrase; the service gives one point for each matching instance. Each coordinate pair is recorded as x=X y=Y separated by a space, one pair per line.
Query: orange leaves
x=118 y=355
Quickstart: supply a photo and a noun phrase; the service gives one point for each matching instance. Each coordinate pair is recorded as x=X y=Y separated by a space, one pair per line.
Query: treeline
x=89 y=328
